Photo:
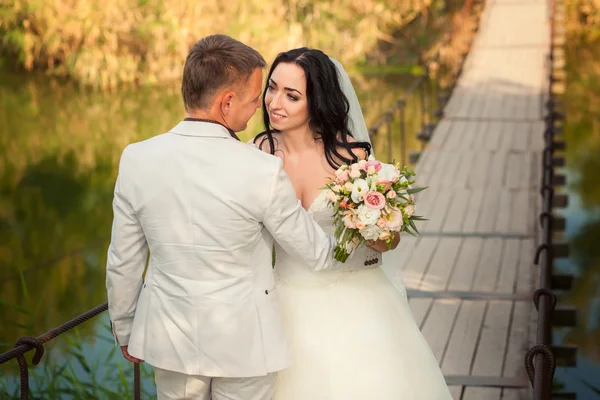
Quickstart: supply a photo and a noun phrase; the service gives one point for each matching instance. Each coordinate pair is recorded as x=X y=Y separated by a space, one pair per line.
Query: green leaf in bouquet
x=348 y=235
x=416 y=190
x=412 y=225
x=419 y=218
x=338 y=231
x=407 y=230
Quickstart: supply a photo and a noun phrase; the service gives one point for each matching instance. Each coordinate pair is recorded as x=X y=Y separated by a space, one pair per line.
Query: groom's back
x=199 y=198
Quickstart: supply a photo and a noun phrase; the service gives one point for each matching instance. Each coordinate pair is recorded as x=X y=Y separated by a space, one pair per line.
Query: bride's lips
x=276 y=117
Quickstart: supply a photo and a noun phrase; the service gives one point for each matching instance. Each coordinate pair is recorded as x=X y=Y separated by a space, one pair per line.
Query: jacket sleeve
x=126 y=261
x=293 y=228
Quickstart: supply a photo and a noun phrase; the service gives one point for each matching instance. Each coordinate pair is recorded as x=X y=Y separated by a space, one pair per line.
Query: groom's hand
x=381 y=246
x=129 y=357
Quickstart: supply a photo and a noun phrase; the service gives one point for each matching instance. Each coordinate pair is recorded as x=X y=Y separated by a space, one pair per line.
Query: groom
x=206 y=313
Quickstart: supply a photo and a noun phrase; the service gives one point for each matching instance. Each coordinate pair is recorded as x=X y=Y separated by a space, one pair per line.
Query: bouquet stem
x=341 y=254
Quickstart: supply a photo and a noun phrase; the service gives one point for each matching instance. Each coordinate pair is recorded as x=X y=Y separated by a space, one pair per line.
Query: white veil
x=358 y=127
x=357 y=124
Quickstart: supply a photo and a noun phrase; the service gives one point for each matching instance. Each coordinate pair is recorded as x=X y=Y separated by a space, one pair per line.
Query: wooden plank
x=463 y=134
x=466 y=265
x=491 y=140
x=463 y=340
x=479 y=170
x=521 y=215
x=457 y=211
x=521 y=137
x=474 y=209
x=504 y=216
x=518 y=340
x=442 y=264
x=413 y=271
x=490 y=354
x=487 y=214
x=487 y=273
x=506 y=137
x=479 y=393
x=537 y=136
x=438 y=325
x=509 y=267
x=525 y=277
x=515 y=394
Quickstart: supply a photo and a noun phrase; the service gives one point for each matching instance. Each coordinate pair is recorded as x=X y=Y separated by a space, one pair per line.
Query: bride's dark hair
x=327 y=106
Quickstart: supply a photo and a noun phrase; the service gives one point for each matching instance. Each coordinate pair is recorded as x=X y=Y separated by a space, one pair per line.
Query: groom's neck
x=211 y=115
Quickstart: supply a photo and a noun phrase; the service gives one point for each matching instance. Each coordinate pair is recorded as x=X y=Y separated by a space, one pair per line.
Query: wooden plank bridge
x=470 y=274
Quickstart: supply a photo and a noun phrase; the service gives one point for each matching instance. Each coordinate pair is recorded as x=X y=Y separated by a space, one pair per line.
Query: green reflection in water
x=582 y=134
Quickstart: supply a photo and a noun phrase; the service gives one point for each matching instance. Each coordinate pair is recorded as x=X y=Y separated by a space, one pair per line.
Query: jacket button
x=266 y=292
x=375 y=260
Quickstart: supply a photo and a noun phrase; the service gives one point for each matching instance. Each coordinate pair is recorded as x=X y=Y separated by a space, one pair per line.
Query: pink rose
x=342 y=178
x=375 y=164
x=374 y=200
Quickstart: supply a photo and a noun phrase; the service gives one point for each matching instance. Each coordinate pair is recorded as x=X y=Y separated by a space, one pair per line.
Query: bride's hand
x=381 y=246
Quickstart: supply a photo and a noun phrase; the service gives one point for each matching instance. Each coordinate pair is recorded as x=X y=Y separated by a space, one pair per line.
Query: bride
x=352 y=332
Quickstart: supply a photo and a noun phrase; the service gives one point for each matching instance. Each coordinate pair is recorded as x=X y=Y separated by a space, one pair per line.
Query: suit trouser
x=177 y=386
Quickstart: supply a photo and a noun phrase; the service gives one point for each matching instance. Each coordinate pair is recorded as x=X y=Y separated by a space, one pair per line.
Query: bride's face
x=285 y=98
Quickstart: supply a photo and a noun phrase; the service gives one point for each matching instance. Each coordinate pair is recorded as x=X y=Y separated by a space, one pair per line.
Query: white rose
x=389 y=173
x=367 y=215
x=409 y=210
x=371 y=232
x=348 y=186
x=359 y=189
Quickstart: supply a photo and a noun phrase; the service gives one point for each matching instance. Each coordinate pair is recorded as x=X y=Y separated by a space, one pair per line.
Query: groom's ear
x=226 y=101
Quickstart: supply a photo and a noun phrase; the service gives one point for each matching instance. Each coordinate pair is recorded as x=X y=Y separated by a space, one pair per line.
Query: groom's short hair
x=216 y=62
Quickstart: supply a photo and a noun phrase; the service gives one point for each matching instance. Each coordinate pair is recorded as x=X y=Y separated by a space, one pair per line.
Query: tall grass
x=104 y=43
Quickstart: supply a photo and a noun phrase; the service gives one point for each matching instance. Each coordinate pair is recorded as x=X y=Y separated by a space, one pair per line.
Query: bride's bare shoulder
x=359 y=152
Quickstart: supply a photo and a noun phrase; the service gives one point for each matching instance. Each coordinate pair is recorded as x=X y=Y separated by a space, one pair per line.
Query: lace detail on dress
x=319 y=203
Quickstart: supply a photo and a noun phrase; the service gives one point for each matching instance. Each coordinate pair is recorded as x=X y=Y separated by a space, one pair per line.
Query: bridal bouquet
x=371 y=201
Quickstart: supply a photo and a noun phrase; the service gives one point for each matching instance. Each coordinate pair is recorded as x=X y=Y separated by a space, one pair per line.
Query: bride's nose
x=275 y=103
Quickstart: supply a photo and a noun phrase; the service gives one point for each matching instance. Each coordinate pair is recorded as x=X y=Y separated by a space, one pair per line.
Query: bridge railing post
x=28 y=343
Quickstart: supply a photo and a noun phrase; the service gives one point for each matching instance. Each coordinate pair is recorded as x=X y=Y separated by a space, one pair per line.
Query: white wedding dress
x=352 y=333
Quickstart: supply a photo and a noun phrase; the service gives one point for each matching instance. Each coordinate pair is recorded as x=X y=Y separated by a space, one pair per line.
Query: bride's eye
x=292 y=98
